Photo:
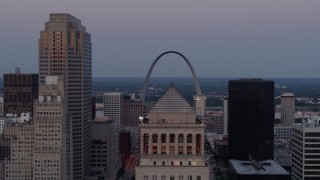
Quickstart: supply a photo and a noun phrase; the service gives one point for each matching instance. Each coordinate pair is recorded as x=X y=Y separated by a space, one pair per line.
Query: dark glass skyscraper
x=251 y=119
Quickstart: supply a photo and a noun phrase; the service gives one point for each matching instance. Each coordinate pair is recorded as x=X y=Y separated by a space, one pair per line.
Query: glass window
x=198 y=177
x=180 y=177
x=180 y=138
x=145 y=177
x=154 y=177
x=163 y=177
x=189 y=177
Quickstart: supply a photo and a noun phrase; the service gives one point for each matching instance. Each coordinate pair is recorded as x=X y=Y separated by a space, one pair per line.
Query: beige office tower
x=113 y=107
x=200 y=105
x=172 y=141
x=49 y=158
x=287 y=109
x=19 y=165
x=65 y=50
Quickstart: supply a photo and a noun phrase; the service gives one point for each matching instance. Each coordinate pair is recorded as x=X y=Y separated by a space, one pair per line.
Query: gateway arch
x=194 y=76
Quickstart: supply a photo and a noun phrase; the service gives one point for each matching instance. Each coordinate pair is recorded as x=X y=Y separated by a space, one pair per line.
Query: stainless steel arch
x=194 y=76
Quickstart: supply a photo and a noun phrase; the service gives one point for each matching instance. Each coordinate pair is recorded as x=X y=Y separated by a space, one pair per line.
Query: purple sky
x=238 y=38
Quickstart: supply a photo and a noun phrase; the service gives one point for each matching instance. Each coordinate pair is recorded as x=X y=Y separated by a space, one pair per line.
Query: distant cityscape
x=62 y=123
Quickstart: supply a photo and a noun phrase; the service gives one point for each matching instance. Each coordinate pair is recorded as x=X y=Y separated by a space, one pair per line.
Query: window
x=171 y=177
x=154 y=163
x=180 y=177
x=171 y=149
x=189 y=138
x=145 y=177
x=163 y=177
x=163 y=138
x=171 y=163
x=198 y=177
x=171 y=138
x=189 y=163
x=189 y=177
x=154 y=138
x=163 y=163
x=180 y=150
x=154 y=177
x=180 y=138
x=180 y=163
x=189 y=149
x=154 y=149
x=163 y=149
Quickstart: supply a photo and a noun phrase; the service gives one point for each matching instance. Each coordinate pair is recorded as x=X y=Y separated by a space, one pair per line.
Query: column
x=142 y=143
x=167 y=144
x=194 y=144
x=176 y=144
x=185 y=144
x=159 y=144
x=202 y=144
x=149 y=144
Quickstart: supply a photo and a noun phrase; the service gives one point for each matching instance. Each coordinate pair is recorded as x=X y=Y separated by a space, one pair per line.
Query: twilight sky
x=221 y=38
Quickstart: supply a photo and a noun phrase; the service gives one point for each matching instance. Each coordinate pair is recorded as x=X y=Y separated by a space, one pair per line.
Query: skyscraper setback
x=65 y=50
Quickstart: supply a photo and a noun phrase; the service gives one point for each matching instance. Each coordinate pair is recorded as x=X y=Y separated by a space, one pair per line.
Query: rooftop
x=172 y=101
x=268 y=167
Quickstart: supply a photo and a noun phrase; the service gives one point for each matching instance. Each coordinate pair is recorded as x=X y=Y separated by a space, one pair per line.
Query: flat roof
x=245 y=167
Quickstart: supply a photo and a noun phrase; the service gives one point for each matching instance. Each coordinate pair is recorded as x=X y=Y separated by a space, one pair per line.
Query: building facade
x=113 y=107
x=287 y=109
x=50 y=117
x=105 y=161
x=19 y=91
x=305 y=151
x=65 y=50
x=172 y=141
x=251 y=119
x=19 y=165
x=132 y=109
x=1 y=106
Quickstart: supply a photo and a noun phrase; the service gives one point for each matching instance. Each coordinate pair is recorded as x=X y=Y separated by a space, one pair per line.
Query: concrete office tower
x=65 y=50
x=132 y=109
x=305 y=151
x=200 y=105
x=19 y=165
x=225 y=116
x=287 y=109
x=172 y=141
x=50 y=117
x=105 y=159
x=251 y=119
x=1 y=106
x=113 y=107
x=19 y=92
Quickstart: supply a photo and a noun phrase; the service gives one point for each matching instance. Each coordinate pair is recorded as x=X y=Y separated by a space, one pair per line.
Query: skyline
x=268 y=39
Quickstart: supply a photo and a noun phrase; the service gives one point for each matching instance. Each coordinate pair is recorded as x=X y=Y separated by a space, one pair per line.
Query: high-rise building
x=132 y=109
x=105 y=160
x=1 y=106
x=251 y=119
x=287 y=109
x=172 y=141
x=65 y=50
x=19 y=92
x=113 y=107
x=305 y=151
x=50 y=117
x=19 y=165
x=200 y=105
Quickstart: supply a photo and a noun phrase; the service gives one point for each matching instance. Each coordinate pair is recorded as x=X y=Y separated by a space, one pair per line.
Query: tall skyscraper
x=251 y=119
x=19 y=92
x=287 y=109
x=305 y=151
x=65 y=50
x=172 y=141
x=50 y=117
x=113 y=107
